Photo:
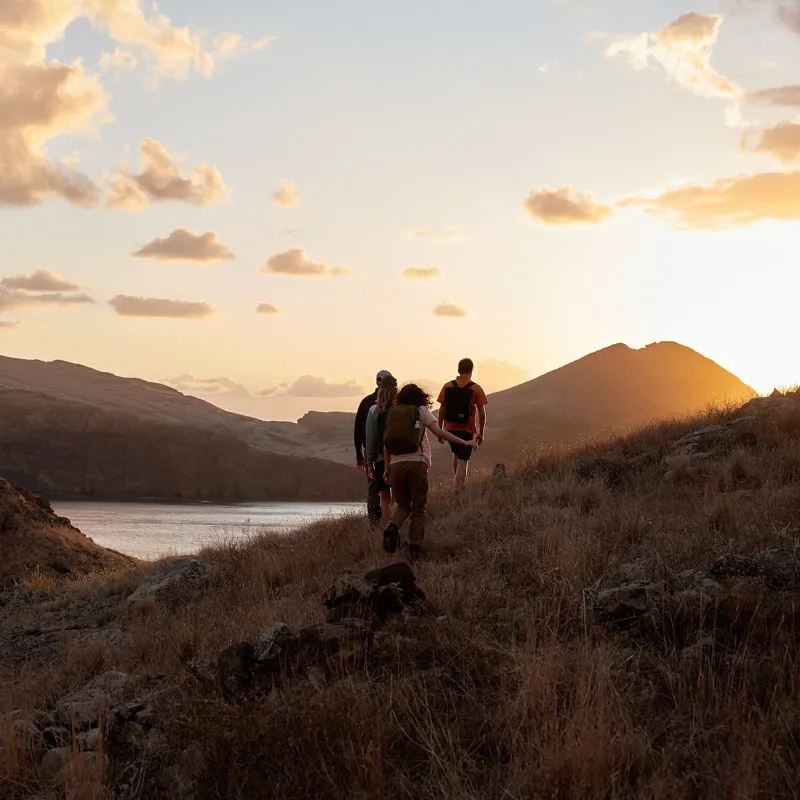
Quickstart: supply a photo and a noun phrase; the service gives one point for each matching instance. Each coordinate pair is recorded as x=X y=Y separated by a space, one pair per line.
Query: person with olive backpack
x=407 y=457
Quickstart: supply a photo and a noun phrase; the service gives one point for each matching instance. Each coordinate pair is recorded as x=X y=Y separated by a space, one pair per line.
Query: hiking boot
x=414 y=552
x=391 y=538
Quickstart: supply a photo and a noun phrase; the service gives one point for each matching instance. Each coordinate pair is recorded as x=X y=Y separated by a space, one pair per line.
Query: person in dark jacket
x=360 y=441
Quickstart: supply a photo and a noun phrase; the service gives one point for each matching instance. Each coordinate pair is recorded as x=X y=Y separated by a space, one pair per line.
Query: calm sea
x=152 y=530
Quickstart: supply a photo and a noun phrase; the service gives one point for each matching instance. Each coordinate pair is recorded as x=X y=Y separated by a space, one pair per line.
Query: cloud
x=127 y=306
x=39 y=101
x=296 y=262
x=728 y=202
x=160 y=180
x=683 y=49
x=781 y=142
x=168 y=51
x=191 y=384
x=118 y=61
x=184 y=245
x=447 y=308
x=495 y=375
x=267 y=308
x=287 y=195
x=443 y=236
x=421 y=273
x=313 y=386
x=565 y=206
x=9 y=325
x=781 y=96
x=42 y=280
x=19 y=298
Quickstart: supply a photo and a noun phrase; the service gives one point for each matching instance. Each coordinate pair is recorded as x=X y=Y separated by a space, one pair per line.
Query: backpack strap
x=455 y=384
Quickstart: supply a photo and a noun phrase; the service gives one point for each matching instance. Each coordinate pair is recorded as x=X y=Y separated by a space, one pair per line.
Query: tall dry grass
x=502 y=685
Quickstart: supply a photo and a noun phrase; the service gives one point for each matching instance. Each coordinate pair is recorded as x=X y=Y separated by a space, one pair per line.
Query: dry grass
x=503 y=687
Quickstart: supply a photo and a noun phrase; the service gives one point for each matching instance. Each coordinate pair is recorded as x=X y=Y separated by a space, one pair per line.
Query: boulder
x=181 y=780
x=345 y=644
x=350 y=596
x=274 y=648
x=779 y=569
x=628 y=600
x=236 y=669
x=380 y=593
x=775 y=404
x=55 y=736
x=704 y=439
x=401 y=574
x=82 y=709
x=89 y=741
x=26 y=732
x=172 y=581
x=54 y=761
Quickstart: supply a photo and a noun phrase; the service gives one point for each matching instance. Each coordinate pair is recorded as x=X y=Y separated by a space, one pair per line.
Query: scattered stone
x=181 y=780
x=699 y=579
x=171 y=581
x=236 y=669
x=500 y=473
x=82 y=709
x=89 y=741
x=26 y=731
x=779 y=569
x=704 y=439
x=274 y=647
x=146 y=717
x=346 y=643
x=56 y=736
x=350 y=596
x=401 y=574
x=54 y=762
x=628 y=600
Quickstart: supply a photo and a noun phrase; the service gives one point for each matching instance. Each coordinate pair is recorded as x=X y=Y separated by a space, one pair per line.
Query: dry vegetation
x=502 y=685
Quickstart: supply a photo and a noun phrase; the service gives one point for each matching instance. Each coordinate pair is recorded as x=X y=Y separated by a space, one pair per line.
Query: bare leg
x=455 y=466
x=462 y=467
x=386 y=506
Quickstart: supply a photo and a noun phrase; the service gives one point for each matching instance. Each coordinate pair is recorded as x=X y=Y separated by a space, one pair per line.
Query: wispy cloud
x=287 y=195
x=127 y=306
x=565 y=206
x=781 y=142
x=442 y=236
x=42 y=280
x=160 y=180
x=728 y=202
x=314 y=386
x=296 y=262
x=19 y=298
x=267 y=308
x=780 y=96
x=184 y=245
x=447 y=308
x=191 y=384
x=421 y=273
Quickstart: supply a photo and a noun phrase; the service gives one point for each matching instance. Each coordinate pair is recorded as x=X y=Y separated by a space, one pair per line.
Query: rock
x=154 y=742
x=146 y=717
x=401 y=574
x=704 y=439
x=329 y=645
x=82 y=709
x=171 y=581
x=56 y=736
x=236 y=669
x=776 y=404
x=699 y=579
x=203 y=670
x=54 y=762
x=779 y=569
x=274 y=647
x=42 y=719
x=628 y=600
x=634 y=570
x=350 y=596
x=130 y=736
x=89 y=741
x=59 y=564
x=389 y=600
x=181 y=780
x=25 y=731
x=500 y=473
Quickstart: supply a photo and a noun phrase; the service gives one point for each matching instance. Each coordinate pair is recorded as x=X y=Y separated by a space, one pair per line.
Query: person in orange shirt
x=462 y=411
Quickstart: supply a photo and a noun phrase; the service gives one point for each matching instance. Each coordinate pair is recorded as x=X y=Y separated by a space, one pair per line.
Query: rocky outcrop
x=34 y=539
x=355 y=605
x=172 y=581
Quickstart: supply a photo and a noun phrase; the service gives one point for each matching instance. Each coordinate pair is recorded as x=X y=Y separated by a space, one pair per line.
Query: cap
x=383 y=375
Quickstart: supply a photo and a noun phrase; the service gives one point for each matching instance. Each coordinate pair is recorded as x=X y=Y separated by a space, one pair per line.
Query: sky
x=264 y=204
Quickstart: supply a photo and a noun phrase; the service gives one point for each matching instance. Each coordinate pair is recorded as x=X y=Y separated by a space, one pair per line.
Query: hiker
x=462 y=412
x=407 y=455
x=376 y=423
x=360 y=440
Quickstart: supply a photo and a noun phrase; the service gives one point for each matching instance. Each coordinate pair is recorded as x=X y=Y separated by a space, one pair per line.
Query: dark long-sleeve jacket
x=360 y=428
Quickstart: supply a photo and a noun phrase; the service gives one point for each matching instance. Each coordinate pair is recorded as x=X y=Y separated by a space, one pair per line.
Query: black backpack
x=458 y=403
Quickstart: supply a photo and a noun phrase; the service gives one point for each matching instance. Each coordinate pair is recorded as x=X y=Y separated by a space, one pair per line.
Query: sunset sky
x=264 y=203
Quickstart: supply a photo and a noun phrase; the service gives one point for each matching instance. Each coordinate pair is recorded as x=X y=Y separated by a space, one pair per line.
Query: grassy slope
x=504 y=687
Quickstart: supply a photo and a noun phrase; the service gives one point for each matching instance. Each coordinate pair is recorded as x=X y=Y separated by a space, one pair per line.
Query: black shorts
x=380 y=483
x=462 y=453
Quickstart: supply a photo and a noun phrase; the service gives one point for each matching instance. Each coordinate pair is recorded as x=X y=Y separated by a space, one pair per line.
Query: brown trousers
x=410 y=490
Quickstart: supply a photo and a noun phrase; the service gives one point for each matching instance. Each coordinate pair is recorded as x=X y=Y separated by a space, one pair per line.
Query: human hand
x=473 y=445
x=442 y=441
x=479 y=439
x=361 y=465
x=387 y=478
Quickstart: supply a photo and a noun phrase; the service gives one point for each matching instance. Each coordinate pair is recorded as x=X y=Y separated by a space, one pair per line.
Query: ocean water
x=153 y=530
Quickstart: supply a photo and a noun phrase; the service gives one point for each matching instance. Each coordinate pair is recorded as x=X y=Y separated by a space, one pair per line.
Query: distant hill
x=70 y=431
x=608 y=391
